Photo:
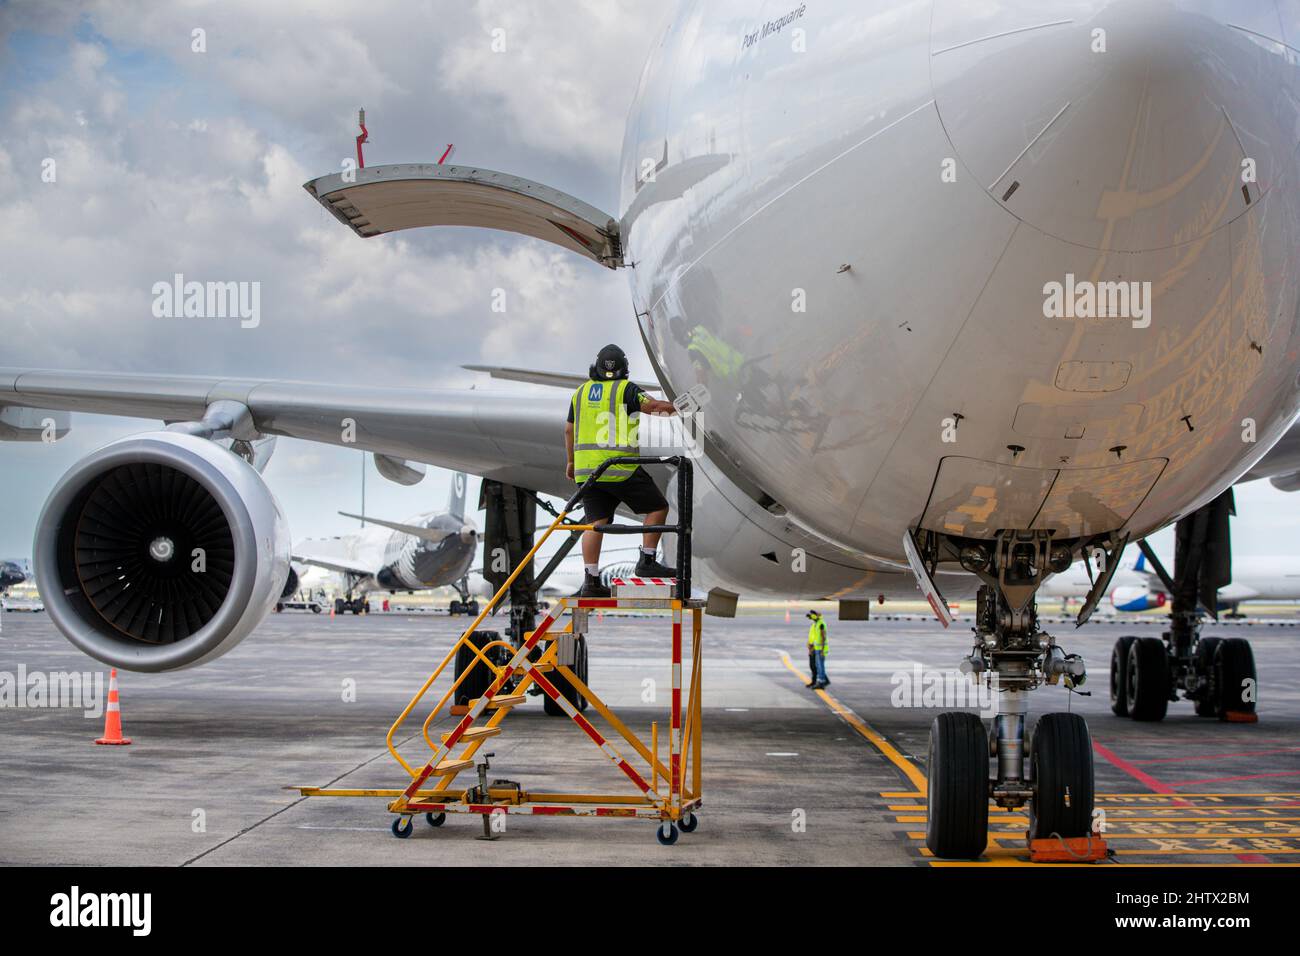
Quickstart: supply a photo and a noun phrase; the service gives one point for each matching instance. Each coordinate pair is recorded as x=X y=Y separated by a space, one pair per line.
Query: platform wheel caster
x=436 y=819
x=402 y=827
x=689 y=823
x=666 y=833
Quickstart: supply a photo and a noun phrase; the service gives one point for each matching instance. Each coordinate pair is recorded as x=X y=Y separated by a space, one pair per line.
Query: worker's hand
x=568 y=471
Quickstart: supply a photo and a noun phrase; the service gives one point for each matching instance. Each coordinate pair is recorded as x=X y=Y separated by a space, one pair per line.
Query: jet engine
x=160 y=551
x=1136 y=599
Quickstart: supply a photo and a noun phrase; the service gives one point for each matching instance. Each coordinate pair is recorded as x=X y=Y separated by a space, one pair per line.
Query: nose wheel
x=957 y=791
x=1061 y=753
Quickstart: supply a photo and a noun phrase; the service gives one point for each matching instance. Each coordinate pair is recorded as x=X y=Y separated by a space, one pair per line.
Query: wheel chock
x=1089 y=849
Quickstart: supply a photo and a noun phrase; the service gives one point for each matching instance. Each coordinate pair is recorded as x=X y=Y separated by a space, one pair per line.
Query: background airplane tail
x=456 y=500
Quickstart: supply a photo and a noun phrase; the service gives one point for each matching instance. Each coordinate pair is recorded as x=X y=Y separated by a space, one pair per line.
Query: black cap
x=611 y=363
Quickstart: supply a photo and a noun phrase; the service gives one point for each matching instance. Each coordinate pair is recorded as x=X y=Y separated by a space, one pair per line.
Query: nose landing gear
x=1052 y=772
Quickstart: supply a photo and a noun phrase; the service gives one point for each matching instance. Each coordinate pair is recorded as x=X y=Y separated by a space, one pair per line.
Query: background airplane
x=12 y=573
x=429 y=550
x=1135 y=587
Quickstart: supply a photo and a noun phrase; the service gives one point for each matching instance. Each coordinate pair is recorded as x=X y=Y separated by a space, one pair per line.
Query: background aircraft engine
x=1136 y=599
x=160 y=551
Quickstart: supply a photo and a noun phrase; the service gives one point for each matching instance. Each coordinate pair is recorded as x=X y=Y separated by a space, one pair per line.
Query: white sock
x=593 y=570
x=649 y=552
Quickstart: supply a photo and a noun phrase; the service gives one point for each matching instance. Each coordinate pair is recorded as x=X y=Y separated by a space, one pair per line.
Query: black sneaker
x=648 y=567
x=592 y=588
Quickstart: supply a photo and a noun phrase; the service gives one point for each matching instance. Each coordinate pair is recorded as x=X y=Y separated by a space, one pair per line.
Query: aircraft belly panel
x=1086 y=501
x=976 y=499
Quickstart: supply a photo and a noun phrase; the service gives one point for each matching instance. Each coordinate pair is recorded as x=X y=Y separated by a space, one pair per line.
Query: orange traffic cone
x=113 y=716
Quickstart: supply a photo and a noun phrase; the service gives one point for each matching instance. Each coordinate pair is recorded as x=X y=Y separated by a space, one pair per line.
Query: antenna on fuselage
x=362 y=137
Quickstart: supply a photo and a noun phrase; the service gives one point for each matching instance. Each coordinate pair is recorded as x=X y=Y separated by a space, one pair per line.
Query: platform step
x=505 y=700
x=475 y=733
x=452 y=766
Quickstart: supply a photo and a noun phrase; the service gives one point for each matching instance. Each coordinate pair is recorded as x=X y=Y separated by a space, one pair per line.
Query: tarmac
x=790 y=776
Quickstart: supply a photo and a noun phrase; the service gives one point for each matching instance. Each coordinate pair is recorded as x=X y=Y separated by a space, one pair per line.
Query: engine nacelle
x=160 y=551
x=1136 y=599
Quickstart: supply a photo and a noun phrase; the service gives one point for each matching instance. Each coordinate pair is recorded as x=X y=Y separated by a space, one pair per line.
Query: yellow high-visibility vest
x=602 y=429
x=715 y=353
x=817 y=636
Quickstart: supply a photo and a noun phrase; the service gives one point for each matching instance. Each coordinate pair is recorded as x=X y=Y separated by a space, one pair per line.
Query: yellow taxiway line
x=888 y=750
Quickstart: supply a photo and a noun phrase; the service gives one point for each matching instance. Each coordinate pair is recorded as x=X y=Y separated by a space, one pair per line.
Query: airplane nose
x=1125 y=125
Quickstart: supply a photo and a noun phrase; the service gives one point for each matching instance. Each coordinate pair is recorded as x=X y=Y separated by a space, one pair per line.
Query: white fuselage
x=1253 y=579
x=858 y=238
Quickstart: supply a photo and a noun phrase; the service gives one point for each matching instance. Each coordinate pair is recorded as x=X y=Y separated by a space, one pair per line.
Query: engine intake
x=160 y=551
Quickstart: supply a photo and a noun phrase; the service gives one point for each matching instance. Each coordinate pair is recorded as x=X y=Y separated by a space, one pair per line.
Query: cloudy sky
x=168 y=160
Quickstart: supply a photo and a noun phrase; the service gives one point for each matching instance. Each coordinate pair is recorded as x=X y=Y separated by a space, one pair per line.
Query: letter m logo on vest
x=602 y=430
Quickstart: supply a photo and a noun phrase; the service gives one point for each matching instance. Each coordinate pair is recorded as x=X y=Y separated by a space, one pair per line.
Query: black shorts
x=638 y=491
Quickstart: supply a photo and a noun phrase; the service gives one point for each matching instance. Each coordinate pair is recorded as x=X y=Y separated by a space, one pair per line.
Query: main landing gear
x=356 y=605
x=1216 y=673
x=1050 y=771
x=465 y=604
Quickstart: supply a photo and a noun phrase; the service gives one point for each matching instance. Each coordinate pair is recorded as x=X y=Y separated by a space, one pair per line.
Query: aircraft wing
x=1281 y=464
x=555 y=379
x=433 y=535
x=498 y=435
x=333 y=563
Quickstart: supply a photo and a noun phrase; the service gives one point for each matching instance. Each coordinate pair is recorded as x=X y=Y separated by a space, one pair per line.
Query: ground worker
x=817 y=650
x=601 y=427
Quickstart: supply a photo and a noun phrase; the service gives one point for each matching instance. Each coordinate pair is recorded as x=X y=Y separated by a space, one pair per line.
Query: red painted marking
x=552 y=811
x=582 y=240
x=677 y=708
x=937 y=613
x=1253 y=858
x=633 y=775
x=598 y=602
x=1249 y=776
x=1140 y=776
x=592 y=732
x=1244 y=753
